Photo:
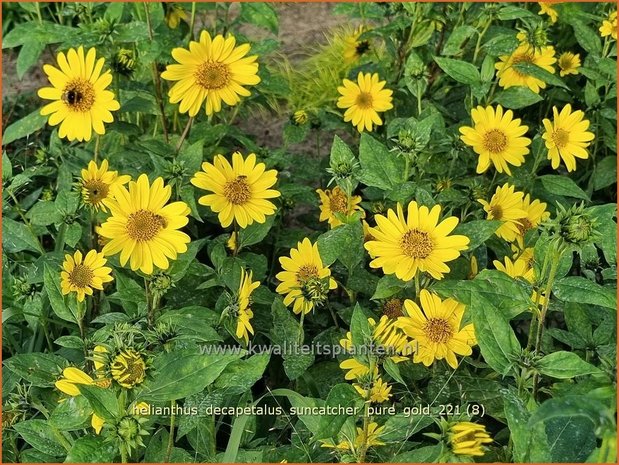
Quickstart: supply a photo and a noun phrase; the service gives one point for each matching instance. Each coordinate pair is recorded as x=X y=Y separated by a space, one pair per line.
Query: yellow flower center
x=81 y=276
x=364 y=100
x=560 y=137
x=417 y=244
x=143 y=226
x=393 y=308
x=522 y=58
x=96 y=191
x=565 y=63
x=306 y=272
x=129 y=369
x=338 y=202
x=438 y=330
x=362 y=47
x=524 y=225
x=213 y=75
x=495 y=141
x=79 y=95
x=496 y=211
x=237 y=191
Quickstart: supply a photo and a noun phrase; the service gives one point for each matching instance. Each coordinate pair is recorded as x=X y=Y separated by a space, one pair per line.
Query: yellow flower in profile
x=245 y=314
x=506 y=205
x=468 y=438
x=609 y=26
x=299 y=117
x=569 y=63
x=305 y=282
x=363 y=101
x=142 y=227
x=214 y=70
x=83 y=274
x=81 y=102
x=519 y=268
x=547 y=9
x=418 y=243
x=239 y=191
x=128 y=368
x=497 y=138
x=174 y=15
x=97 y=183
x=378 y=392
x=231 y=243
x=526 y=254
x=510 y=76
x=536 y=213
x=336 y=201
x=436 y=330
x=356 y=369
x=567 y=137
x=354 y=48
x=372 y=438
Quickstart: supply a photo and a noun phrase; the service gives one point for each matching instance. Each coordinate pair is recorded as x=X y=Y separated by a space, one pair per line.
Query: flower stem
x=171 y=437
x=184 y=135
x=301 y=334
x=237 y=248
x=417 y=285
x=366 y=422
x=193 y=20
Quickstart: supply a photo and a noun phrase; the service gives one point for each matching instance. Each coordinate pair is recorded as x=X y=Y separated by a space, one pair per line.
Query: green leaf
x=605 y=173
x=42 y=370
x=572 y=406
x=360 y=327
x=28 y=56
x=17 y=237
x=562 y=185
x=426 y=454
x=459 y=70
x=239 y=376
x=478 y=231
x=517 y=97
x=71 y=414
x=23 y=127
x=380 y=167
x=255 y=232
x=387 y=286
x=400 y=427
x=535 y=71
x=193 y=321
x=44 y=32
x=40 y=435
x=570 y=440
x=344 y=242
x=496 y=338
x=103 y=401
x=191 y=157
x=51 y=281
x=340 y=153
x=586 y=37
x=341 y=395
x=457 y=38
x=260 y=14
x=178 y=268
x=44 y=213
x=179 y=374
x=581 y=290
x=92 y=449
x=565 y=365
x=511 y=12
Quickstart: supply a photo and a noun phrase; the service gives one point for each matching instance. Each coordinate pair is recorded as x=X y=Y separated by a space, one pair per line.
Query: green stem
x=237 y=241
x=417 y=285
x=184 y=135
x=479 y=38
x=366 y=422
x=59 y=247
x=193 y=20
x=301 y=334
x=156 y=80
x=171 y=437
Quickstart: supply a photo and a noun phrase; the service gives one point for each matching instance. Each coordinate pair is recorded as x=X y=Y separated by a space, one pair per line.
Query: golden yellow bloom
x=567 y=137
x=468 y=438
x=128 y=368
x=214 y=70
x=356 y=369
x=378 y=392
x=497 y=138
x=509 y=76
x=174 y=15
x=536 y=213
x=81 y=102
x=519 y=268
x=372 y=438
x=334 y=201
x=363 y=101
x=609 y=26
x=97 y=184
x=354 y=48
x=239 y=191
x=547 y=9
x=231 y=242
x=418 y=243
x=436 y=329
x=304 y=281
x=300 y=117
x=506 y=205
x=569 y=63
x=83 y=274
x=526 y=254
x=245 y=314
x=142 y=227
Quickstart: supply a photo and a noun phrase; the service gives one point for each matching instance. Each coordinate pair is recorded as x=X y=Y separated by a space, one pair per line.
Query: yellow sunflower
x=212 y=70
x=468 y=438
x=567 y=137
x=361 y=439
x=506 y=206
x=245 y=314
x=363 y=101
x=239 y=191
x=305 y=282
x=354 y=48
x=336 y=201
x=609 y=26
x=128 y=368
x=376 y=393
x=509 y=76
x=356 y=369
x=547 y=9
x=569 y=63
x=536 y=213
x=436 y=330
x=142 y=227
x=497 y=138
x=404 y=246
x=174 y=15
x=97 y=183
x=80 y=99
x=518 y=268
x=83 y=274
